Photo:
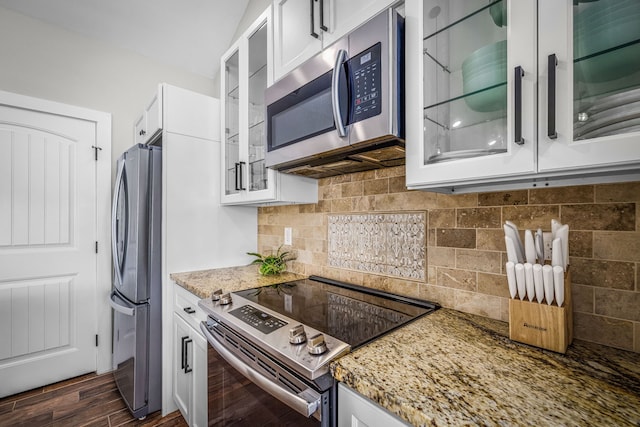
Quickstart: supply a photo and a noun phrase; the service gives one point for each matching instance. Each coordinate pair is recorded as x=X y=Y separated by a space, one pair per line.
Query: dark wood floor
x=89 y=400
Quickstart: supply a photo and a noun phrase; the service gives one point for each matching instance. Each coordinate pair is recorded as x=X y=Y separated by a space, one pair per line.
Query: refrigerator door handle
x=127 y=311
x=114 y=212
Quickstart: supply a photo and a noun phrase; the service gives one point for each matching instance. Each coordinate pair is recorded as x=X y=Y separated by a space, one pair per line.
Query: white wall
x=45 y=61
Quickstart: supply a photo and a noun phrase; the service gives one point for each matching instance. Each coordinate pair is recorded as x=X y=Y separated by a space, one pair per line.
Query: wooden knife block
x=542 y=325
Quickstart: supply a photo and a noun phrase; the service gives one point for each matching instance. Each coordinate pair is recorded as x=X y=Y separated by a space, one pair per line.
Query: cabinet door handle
x=312 y=30
x=551 y=97
x=241 y=173
x=322 y=26
x=189 y=310
x=142 y=132
x=184 y=352
x=237 y=171
x=517 y=107
x=187 y=368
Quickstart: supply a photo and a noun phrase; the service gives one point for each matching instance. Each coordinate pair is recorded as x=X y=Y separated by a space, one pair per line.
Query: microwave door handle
x=341 y=57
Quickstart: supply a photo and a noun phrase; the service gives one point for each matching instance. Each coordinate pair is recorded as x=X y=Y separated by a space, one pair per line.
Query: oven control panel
x=260 y=320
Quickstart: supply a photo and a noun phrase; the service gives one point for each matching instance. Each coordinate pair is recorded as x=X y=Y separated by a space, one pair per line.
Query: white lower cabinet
x=355 y=410
x=189 y=359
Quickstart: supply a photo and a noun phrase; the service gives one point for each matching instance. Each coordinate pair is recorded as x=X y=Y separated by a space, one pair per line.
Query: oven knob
x=215 y=295
x=225 y=299
x=316 y=344
x=297 y=335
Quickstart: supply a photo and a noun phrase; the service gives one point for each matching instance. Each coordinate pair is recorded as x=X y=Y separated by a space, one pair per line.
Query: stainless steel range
x=282 y=338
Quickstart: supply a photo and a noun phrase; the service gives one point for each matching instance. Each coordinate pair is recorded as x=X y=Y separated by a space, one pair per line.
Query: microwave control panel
x=365 y=69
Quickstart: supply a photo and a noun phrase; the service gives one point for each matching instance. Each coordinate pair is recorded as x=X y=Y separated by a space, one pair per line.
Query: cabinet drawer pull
x=189 y=310
x=551 y=97
x=517 y=107
x=313 y=30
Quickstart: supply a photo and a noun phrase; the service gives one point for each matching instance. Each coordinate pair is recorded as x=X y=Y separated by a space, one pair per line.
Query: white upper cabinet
x=304 y=27
x=502 y=101
x=597 y=84
x=247 y=71
x=149 y=124
x=297 y=35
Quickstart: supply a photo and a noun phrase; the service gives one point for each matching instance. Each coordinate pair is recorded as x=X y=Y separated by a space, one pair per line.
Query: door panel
x=47 y=248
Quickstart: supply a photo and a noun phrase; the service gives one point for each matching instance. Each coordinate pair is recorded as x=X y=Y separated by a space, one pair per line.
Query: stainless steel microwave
x=342 y=110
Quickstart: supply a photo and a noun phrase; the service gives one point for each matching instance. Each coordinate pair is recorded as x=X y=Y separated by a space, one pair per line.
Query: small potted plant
x=272 y=264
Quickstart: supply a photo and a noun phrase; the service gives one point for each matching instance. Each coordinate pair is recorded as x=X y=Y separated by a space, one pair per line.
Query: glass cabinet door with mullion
x=469 y=56
x=257 y=75
x=590 y=57
x=232 y=164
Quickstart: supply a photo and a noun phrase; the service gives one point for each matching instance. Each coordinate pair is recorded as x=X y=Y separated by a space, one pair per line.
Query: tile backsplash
x=459 y=259
x=392 y=244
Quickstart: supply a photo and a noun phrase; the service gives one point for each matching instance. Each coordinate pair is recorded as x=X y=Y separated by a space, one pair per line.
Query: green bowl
x=484 y=68
x=498 y=13
x=609 y=66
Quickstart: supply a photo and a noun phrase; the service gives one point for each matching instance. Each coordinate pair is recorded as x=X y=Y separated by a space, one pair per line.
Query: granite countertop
x=451 y=368
x=203 y=283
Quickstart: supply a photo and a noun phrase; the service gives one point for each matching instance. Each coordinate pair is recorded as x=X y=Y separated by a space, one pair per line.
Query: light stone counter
x=203 y=283
x=451 y=369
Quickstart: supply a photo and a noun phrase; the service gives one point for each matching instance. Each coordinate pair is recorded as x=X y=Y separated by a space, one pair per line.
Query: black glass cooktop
x=350 y=313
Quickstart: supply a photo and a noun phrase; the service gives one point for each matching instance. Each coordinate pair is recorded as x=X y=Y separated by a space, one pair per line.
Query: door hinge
x=96 y=246
x=95 y=149
x=96 y=340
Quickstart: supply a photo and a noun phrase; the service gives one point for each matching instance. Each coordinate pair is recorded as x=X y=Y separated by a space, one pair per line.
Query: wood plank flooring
x=89 y=400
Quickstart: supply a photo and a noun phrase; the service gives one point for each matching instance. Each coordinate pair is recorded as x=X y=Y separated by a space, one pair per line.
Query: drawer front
x=186 y=306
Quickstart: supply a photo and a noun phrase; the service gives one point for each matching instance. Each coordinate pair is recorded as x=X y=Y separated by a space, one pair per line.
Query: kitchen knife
x=556 y=253
x=512 y=233
x=558 y=284
x=547 y=278
x=511 y=279
x=562 y=233
x=512 y=253
x=539 y=241
x=528 y=280
x=555 y=224
x=516 y=237
x=538 y=282
x=529 y=247
x=522 y=287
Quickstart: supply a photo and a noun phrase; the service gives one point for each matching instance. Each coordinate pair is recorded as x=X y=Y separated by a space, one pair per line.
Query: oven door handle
x=294 y=401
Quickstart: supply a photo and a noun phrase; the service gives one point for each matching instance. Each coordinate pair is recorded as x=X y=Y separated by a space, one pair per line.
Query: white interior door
x=48 y=258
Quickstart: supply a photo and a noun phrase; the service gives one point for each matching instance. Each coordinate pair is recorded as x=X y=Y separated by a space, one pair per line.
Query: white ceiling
x=190 y=34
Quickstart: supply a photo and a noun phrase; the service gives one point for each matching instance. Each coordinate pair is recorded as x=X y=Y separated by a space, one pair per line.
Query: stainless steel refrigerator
x=136 y=298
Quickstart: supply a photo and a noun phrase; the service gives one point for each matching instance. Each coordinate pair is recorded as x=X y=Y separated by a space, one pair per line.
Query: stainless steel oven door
x=251 y=389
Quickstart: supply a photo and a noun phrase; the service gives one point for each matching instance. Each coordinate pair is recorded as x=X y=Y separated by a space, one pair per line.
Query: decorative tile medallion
x=392 y=244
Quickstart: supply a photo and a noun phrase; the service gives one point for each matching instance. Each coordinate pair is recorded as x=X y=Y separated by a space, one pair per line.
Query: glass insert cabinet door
x=594 y=70
x=258 y=43
x=465 y=122
x=465 y=79
x=232 y=165
x=606 y=73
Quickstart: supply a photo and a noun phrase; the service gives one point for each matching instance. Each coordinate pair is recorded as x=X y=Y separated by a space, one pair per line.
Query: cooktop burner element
x=329 y=317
